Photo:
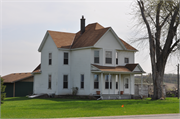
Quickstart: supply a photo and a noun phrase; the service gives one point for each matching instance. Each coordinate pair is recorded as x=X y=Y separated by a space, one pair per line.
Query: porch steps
x=115 y=96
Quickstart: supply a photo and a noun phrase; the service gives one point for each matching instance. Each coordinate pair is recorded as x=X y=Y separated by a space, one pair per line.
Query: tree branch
x=175 y=44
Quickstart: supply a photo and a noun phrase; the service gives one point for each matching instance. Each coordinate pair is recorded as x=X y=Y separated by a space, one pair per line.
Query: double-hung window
x=65 y=57
x=107 y=79
x=96 y=81
x=126 y=60
x=116 y=58
x=96 y=56
x=108 y=57
x=50 y=59
x=65 y=81
x=49 y=81
x=82 y=81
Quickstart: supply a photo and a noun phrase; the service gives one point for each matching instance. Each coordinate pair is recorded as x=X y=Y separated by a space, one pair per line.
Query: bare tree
x=161 y=19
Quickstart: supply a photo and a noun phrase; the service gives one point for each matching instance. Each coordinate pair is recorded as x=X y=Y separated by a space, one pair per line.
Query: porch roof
x=128 y=68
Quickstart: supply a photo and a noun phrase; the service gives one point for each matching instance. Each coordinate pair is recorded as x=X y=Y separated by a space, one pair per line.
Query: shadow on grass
x=16 y=99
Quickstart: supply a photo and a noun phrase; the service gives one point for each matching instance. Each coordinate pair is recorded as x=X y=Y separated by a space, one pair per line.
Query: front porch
x=110 y=82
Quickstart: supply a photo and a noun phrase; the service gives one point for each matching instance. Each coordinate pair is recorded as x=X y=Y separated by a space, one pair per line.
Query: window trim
x=64 y=81
x=111 y=56
x=65 y=59
x=96 y=57
x=81 y=81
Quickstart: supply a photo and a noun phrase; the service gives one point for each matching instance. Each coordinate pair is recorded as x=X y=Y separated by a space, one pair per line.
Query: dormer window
x=50 y=58
x=96 y=56
x=126 y=60
x=66 y=58
x=108 y=57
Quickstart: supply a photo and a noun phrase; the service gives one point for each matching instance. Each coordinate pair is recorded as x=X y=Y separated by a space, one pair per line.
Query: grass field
x=22 y=107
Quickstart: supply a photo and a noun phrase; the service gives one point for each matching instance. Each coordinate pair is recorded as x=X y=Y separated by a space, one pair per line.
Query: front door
x=126 y=85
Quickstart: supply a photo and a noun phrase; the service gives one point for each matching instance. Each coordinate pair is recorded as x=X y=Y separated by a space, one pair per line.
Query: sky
x=25 y=22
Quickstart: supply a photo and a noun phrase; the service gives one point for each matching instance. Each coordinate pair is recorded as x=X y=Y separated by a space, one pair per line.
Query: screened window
x=126 y=60
x=50 y=58
x=96 y=81
x=65 y=58
x=82 y=81
x=49 y=82
x=96 y=56
x=107 y=82
x=65 y=81
x=108 y=57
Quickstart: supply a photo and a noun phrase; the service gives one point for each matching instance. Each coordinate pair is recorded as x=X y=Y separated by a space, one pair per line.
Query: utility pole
x=178 y=78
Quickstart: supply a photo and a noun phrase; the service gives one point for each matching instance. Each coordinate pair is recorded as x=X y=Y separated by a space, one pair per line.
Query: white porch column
x=141 y=83
x=109 y=83
x=119 y=83
x=101 y=83
x=114 y=84
x=130 y=83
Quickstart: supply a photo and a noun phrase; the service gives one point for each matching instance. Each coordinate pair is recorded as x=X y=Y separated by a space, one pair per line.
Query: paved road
x=154 y=116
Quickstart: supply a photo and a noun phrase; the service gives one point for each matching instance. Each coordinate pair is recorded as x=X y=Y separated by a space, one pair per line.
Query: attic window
x=108 y=57
x=116 y=58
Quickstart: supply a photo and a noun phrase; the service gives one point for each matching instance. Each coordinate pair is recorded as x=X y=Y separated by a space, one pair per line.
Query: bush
x=3 y=94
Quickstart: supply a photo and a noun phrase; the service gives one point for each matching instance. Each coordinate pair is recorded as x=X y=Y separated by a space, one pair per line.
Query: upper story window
x=126 y=60
x=96 y=56
x=116 y=58
x=96 y=81
x=65 y=58
x=108 y=57
x=50 y=58
x=49 y=82
x=82 y=81
x=65 y=81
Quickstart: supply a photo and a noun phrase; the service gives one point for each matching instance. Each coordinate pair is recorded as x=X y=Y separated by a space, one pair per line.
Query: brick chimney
x=82 y=25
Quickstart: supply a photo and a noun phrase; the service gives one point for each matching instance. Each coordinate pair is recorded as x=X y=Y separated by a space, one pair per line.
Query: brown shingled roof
x=11 y=78
x=126 y=68
x=112 y=69
x=131 y=66
x=62 y=39
x=129 y=47
x=37 y=69
x=93 y=32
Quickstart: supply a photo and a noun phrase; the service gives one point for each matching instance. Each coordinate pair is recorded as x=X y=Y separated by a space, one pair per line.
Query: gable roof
x=62 y=39
x=93 y=32
x=14 y=77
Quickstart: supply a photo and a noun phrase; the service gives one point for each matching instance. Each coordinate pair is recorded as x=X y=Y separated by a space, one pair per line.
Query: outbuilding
x=18 y=84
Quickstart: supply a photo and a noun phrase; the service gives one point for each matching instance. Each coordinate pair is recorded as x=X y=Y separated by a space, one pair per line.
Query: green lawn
x=22 y=107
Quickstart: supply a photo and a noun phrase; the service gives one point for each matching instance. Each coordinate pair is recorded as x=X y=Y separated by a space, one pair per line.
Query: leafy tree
x=160 y=18
x=3 y=94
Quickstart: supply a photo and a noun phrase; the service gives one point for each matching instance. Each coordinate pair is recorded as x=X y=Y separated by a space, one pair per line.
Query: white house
x=93 y=59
